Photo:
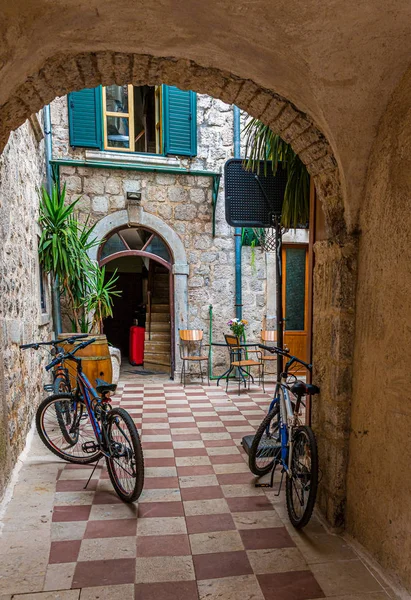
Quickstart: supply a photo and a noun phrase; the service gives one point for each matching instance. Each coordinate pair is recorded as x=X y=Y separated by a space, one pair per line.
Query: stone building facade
x=184 y=203
x=23 y=317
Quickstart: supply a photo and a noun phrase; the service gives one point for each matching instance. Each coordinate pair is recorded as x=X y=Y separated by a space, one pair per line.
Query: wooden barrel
x=95 y=359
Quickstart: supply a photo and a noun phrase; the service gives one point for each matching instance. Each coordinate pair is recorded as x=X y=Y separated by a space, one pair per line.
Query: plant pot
x=115 y=355
x=95 y=359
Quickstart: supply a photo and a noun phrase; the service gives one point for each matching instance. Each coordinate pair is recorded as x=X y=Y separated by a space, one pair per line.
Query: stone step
x=159 y=326
x=160 y=308
x=156 y=346
x=156 y=367
x=160 y=358
x=158 y=336
x=159 y=316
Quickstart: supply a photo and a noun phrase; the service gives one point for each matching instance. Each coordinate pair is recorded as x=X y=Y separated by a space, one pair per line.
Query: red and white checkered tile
x=200 y=530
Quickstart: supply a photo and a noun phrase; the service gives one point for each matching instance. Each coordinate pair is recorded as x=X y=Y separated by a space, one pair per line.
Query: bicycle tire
x=299 y=521
x=136 y=451
x=265 y=446
x=45 y=436
x=60 y=385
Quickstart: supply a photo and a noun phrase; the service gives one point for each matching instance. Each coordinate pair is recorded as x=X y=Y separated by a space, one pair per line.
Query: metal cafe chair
x=239 y=360
x=191 y=348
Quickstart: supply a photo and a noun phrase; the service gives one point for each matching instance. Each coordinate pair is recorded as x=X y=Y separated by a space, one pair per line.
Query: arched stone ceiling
x=338 y=61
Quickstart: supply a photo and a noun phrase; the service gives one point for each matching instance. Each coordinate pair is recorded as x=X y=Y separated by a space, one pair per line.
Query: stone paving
x=200 y=531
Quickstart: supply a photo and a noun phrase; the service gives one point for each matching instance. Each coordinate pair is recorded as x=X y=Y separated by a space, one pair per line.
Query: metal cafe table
x=241 y=372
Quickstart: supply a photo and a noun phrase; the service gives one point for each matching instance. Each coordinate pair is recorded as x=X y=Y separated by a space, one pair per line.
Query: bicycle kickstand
x=92 y=473
x=271 y=483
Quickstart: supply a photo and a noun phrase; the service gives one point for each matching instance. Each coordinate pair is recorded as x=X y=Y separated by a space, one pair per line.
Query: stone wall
x=379 y=482
x=185 y=203
x=21 y=319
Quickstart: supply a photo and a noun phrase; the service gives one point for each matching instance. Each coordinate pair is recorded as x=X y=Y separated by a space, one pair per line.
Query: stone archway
x=136 y=216
x=335 y=269
x=64 y=73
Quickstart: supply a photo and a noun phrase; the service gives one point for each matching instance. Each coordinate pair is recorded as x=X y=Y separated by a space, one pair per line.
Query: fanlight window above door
x=137 y=239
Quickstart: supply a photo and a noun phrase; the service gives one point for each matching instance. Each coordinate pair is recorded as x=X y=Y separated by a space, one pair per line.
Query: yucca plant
x=100 y=293
x=264 y=145
x=63 y=247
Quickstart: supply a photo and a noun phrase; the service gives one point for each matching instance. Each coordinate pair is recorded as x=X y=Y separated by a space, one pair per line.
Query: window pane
x=295 y=289
x=113 y=244
x=133 y=238
x=157 y=246
x=117 y=98
x=117 y=132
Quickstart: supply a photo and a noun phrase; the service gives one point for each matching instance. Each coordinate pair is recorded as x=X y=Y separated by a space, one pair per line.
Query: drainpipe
x=237 y=231
x=49 y=183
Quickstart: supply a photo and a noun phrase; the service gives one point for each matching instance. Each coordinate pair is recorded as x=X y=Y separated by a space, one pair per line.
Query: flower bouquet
x=237 y=326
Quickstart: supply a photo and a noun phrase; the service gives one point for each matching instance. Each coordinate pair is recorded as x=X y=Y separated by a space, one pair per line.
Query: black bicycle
x=91 y=429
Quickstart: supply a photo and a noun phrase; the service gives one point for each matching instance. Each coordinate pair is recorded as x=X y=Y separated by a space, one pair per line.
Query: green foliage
x=63 y=252
x=264 y=145
x=99 y=300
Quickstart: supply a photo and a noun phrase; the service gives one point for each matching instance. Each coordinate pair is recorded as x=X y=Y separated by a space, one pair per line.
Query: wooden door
x=295 y=298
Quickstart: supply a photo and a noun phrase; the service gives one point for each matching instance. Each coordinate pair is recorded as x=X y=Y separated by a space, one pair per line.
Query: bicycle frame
x=287 y=421
x=89 y=394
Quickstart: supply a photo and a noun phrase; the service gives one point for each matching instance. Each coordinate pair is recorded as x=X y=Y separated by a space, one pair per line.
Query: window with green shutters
x=158 y=120
x=180 y=121
x=85 y=124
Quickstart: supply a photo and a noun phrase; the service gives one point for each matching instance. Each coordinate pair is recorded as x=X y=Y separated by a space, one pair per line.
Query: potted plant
x=63 y=252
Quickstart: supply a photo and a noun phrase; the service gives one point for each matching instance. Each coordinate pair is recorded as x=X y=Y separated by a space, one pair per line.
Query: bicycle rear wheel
x=301 y=487
x=266 y=446
x=64 y=427
x=125 y=463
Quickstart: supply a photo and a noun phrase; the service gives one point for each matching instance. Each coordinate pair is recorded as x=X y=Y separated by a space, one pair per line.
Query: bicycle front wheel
x=266 y=447
x=301 y=486
x=125 y=461
x=64 y=428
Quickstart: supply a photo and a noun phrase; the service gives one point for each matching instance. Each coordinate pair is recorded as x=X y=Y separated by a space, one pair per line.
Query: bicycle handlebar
x=70 y=340
x=69 y=355
x=293 y=359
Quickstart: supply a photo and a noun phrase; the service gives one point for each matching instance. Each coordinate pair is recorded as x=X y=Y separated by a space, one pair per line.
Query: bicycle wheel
x=301 y=487
x=64 y=427
x=125 y=462
x=266 y=446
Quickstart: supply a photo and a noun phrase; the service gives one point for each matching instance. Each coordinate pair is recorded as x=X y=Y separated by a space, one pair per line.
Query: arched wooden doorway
x=157 y=290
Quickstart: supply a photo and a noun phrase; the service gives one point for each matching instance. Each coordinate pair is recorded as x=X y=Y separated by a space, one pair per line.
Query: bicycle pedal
x=90 y=447
x=48 y=387
x=262 y=485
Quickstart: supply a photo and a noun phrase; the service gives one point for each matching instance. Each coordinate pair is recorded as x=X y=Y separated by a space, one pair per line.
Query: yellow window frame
x=158 y=97
x=128 y=115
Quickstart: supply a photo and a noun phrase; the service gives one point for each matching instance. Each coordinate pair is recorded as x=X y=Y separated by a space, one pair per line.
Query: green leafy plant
x=99 y=300
x=63 y=252
x=264 y=145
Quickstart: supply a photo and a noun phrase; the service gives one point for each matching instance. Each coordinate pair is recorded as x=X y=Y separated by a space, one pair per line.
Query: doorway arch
x=173 y=259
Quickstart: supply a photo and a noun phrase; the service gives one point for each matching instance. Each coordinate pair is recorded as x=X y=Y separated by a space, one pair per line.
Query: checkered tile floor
x=200 y=530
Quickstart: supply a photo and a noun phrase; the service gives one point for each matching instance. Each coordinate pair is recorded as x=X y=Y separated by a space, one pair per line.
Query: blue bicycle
x=282 y=440
x=82 y=427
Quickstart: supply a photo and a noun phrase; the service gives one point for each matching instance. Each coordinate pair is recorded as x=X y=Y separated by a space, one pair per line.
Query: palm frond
x=264 y=146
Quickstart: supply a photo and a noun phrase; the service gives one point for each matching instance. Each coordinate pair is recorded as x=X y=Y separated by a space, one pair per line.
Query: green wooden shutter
x=85 y=118
x=180 y=121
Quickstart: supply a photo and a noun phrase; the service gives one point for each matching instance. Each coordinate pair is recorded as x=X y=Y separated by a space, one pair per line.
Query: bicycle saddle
x=312 y=389
x=102 y=386
x=299 y=388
